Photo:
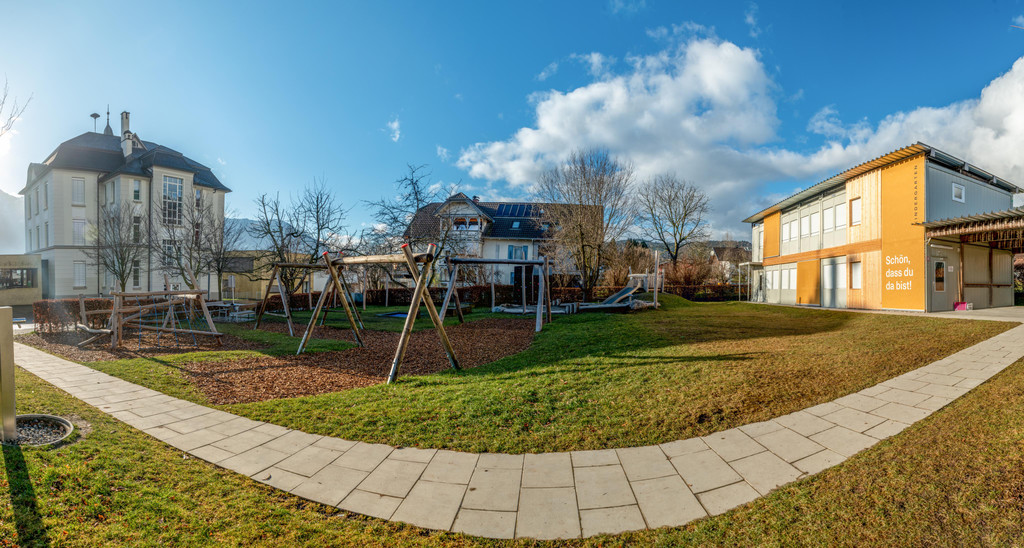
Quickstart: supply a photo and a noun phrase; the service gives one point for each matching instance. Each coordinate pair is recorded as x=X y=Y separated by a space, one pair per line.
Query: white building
x=65 y=194
x=491 y=230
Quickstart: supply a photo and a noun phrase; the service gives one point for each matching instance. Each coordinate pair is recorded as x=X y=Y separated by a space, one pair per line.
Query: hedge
x=53 y=315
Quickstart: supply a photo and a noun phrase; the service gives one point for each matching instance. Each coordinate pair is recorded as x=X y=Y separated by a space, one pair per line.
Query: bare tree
x=673 y=212
x=120 y=241
x=588 y=206
x=225 y=236
x=13 y=110
x=185 y=229
x=280 y=240
x=625 y=258
x=320 y=218
x=394 y=216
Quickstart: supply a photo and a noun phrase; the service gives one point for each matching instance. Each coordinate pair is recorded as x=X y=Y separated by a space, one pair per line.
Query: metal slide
x=622 y=294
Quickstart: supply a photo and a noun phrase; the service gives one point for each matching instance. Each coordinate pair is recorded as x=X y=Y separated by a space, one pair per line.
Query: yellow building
x=20 y=279
x=897 y=232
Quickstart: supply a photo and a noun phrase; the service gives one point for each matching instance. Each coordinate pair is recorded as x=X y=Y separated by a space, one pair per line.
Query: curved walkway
x=550 y=495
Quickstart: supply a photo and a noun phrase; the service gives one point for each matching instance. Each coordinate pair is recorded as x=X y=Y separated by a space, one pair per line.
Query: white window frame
x=856 y=212
x=828 y=219
x=37 y=200
x=77 y=232
x=963 y=193
x=136 y=190
x=856 y=275
x=172 y=205
x=136 y=274
x=815 y=223
x=78 y=273
x=805 y=226
x=46 y=195
x=840 y=216
x=841 y=276
x=77 y=191
x=785 y=232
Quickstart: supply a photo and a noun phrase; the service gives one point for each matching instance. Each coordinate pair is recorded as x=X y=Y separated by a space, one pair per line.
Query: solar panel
x=519 y=210
x=529 y=211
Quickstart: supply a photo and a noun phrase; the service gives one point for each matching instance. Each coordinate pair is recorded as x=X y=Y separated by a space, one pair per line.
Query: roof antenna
x=95 y=116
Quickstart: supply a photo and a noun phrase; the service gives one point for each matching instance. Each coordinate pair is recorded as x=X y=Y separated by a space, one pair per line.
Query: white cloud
x=626 y=6
x=548 y=71
x=395 y=130
x=443 y=153
x=597 y=64
x=1019 y=20
x=706 y=109
x=750 y=18
x=221 y=162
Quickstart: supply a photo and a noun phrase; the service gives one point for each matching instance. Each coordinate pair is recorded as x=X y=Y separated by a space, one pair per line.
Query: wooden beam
x=313 y=318
x=266 y=297
x=382 y=259
x=284 y=302
x=453 y=272
x=432 y=312
x=410 y=318
x=344 y=301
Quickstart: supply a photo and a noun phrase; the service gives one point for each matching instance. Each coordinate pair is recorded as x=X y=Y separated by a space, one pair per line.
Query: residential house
x=66 y=193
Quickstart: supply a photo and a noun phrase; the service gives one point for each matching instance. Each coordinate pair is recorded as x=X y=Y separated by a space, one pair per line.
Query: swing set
x=419 y=266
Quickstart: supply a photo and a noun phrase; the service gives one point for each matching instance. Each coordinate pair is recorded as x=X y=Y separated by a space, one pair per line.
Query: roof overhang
x=999 y=229
x=916 y=149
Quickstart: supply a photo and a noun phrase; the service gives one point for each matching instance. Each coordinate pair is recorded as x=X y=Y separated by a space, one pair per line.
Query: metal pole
x=432 y=312
x=540 y=302
x=656 y=279
x=8 y=432
x=453 y=272
x=547 y=287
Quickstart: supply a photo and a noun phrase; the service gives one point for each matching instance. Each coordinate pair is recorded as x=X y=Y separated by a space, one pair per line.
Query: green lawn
x=952 y=479
x=371 y=320
x=595 y=381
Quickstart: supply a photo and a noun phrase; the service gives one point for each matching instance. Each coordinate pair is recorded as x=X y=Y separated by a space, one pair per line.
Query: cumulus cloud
x=750 y=18
x=548 y=71
x=443 y=153
x=395 y=130
x=706 y=109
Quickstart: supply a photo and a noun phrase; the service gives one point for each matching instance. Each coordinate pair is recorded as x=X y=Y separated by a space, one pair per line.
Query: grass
x=594 y=381
x=372 y=321
x=953 y=479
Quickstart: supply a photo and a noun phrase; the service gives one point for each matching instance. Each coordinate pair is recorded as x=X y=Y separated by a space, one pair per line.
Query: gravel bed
x=38 y=431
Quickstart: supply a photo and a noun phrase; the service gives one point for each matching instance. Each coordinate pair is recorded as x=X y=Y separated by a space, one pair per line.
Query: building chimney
x=476 y=199
x=126 y=135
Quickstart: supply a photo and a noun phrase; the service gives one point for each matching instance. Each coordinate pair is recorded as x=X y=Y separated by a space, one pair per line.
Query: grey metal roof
x=98 y=152
x=899 y=154
x=1014 y=213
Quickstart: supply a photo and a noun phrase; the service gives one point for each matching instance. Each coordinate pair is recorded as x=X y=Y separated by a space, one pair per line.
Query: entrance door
x=943 y=277
x=833 y=283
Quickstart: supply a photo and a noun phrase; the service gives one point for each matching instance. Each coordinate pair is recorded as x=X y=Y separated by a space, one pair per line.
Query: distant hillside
x=12 y=224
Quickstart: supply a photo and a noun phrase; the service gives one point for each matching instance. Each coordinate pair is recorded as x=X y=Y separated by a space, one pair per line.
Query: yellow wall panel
x=771 y=234
x=808 y=282
x=867 y=187
x=903 y=265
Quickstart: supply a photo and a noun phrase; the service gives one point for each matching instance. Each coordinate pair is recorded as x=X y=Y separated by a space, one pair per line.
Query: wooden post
x=540 y=302
x=81 y=310
x=115 y=323
x=339 y=291
x=266 y=297
x=284 y=303
x=386 y=291
x=313 y=318
x=547 y=286
x=492 y=288
x=8 y=412
x=432 y=312
x=522 y=284
x=366 y=288
x=350 y=296
x=453 y=272
x=206 y=311
x=410 y=317
x=960 y=285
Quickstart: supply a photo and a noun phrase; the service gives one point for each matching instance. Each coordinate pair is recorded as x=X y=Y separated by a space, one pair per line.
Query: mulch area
x=257 y=379
x=63 y=344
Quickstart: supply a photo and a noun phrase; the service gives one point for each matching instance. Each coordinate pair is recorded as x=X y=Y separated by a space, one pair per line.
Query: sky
x=750 y=101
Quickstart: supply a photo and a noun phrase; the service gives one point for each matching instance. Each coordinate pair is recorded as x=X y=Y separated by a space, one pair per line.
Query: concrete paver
x=545 y=496
x=548 y=513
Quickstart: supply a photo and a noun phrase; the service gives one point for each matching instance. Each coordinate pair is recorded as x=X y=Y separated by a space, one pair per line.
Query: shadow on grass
x=27 y=519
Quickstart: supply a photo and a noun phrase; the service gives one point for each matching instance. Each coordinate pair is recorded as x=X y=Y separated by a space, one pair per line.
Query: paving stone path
x=549 y=495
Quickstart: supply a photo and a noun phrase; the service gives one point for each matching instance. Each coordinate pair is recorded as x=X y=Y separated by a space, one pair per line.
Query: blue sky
x=749 y=100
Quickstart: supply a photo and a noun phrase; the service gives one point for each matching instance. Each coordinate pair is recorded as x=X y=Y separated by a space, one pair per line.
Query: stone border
x=549 y=495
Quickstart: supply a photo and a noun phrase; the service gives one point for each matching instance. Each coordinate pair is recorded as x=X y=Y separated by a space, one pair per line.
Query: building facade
x=858 y=239
x=66 y=194
x=491 y=230
x=20 y=279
